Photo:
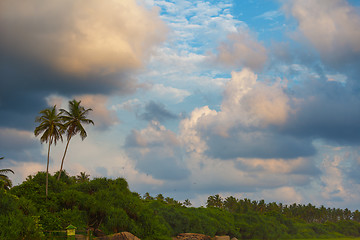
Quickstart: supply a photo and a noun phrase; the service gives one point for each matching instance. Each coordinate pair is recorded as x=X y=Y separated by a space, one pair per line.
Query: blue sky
x=255 y=99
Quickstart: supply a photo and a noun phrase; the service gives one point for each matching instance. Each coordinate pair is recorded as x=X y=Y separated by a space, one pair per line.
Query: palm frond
x=6 y=170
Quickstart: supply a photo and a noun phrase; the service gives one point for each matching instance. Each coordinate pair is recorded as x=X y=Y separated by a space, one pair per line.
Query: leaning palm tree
x=73 y=120
x=52 y=129
x=4 y=178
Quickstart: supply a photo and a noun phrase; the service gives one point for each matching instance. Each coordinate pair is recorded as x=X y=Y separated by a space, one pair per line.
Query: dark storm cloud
x=24 y=86
x=158 y=112
x=59 y=48
x=257 y=144
x=330 y=112
x=19 y=145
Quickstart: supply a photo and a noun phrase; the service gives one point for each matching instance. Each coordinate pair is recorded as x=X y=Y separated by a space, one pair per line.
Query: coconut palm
x=52 y=129
x=73 y=120
x=83 y=177
x=4 y=178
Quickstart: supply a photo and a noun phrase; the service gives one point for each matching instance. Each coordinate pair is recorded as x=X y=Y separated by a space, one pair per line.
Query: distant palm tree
x=52 y=129
x=73 y=120
x=187 y=203
x=4 y=178
x=83 y=177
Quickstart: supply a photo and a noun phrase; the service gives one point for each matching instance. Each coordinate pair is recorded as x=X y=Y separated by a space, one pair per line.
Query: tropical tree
x=187 y=203
x=4 y=178
x=51 y=128
x=73 y=120
x=83 y=177
x=215 y=201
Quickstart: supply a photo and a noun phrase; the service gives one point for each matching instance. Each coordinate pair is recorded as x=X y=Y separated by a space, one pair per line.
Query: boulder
x=119 y=236
x=124 y=236
x=98 y=233
x=192 y=236
x=221 y=238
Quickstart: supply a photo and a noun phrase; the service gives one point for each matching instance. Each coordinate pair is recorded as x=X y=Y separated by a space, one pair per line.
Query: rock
x=119 y=236
x=192 y=236
x=98 y=233
x=123 y=236
x=221 y=238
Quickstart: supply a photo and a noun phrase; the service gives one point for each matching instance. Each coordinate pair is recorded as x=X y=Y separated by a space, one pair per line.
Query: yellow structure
x=70 y=230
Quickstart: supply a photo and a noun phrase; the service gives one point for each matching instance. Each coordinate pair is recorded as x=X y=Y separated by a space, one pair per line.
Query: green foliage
x=5 y=182
x=109 y=205
x=15 y=223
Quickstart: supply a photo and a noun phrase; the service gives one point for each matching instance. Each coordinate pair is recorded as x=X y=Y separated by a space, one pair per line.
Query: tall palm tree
x=52 y=129
x=4 y=178
x=73 y=120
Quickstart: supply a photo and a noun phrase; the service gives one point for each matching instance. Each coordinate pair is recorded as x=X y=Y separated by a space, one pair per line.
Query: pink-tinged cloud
x=246 y=124
x=80 y=36
x=241 y=49
x=331 y=26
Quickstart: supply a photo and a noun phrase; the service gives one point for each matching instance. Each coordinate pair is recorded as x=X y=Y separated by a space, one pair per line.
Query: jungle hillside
x=108 y=206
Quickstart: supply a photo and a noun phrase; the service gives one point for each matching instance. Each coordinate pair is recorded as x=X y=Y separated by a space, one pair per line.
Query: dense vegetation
x=109 y=205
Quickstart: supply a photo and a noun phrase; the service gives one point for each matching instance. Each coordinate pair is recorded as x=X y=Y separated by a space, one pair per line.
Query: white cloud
x=270 y=15
x=196 y=29
x=167 y=92
x=341 y=78
x=129 y=105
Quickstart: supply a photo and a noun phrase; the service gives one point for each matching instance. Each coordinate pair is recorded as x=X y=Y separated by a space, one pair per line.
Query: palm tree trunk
x=47 y=169
x=62 y=161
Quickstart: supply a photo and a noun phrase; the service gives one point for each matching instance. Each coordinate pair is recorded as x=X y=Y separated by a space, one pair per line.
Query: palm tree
x=187 y=203
x=4 y=178
x=73 y=120
x=83 y=177
x=52 y=129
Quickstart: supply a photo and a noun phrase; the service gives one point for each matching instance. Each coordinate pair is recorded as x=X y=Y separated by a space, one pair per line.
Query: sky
x=243 y=98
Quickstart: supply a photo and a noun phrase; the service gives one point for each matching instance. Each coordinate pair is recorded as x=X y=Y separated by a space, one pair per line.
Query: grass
x=345 y=238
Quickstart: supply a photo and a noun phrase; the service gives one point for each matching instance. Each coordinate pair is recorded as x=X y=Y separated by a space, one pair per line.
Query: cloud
x=297 y=166
x=102 y=116
x=157 y=152
x=246 y=124
x=19 y=144
x=24 y=169
x=129 y=105
x=74 y=38
x=241 y=49
x=167 y=92
x=285 y=195
x=330 y=26
x=157 y=112
x=329 y=114
x=69 y=48
x=270 y=15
